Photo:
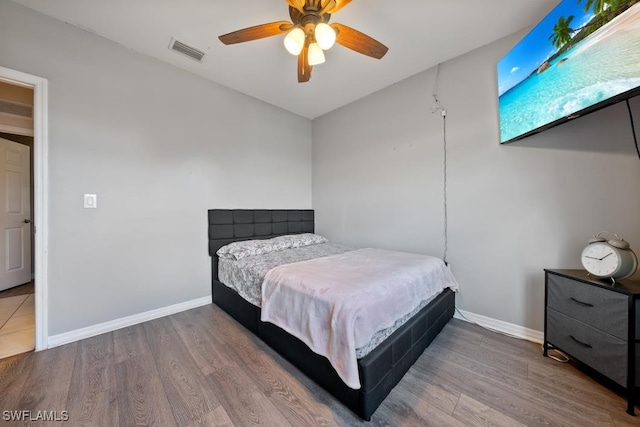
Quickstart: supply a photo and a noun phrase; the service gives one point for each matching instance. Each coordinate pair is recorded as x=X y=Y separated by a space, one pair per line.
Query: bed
x=379 y=370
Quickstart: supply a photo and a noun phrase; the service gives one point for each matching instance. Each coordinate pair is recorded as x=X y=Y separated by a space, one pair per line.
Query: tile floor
x=17 y=325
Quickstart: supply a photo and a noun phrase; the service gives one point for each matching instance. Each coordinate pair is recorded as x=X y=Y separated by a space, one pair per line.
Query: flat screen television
x=584 y=55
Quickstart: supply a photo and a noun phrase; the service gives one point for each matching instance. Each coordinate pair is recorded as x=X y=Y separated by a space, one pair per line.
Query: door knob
x=27 y=221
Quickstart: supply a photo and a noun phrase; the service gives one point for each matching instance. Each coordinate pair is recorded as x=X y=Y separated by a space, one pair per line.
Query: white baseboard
x=500 y=326
x=101 y=328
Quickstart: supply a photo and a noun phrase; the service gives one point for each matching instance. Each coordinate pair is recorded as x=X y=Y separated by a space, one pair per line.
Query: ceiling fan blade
x=339 y=5
x=327 y=6
x=257 y=32
x=297 y=4
x=360 y=42
x=304 y=69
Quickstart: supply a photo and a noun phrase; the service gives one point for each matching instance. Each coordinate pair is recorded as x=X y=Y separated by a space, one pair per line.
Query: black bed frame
x=379 y=371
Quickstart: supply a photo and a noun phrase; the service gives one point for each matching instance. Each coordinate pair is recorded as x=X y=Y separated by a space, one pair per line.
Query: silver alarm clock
x=611 y=257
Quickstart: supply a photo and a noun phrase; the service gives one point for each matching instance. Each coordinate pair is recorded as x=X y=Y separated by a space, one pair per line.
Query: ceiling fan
x=309 y=34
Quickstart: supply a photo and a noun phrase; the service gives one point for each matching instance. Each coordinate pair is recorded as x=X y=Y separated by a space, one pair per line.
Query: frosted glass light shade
x=294 y=42
x=325 y=36
x=316 y=55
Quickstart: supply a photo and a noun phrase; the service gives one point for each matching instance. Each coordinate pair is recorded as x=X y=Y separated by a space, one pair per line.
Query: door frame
x=40 y=212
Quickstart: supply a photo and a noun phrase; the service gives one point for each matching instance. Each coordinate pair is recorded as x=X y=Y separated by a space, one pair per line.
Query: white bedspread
x=335 y=304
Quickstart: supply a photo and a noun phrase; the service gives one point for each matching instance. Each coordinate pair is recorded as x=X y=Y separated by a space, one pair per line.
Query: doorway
x=39 y=204
x=17 y=302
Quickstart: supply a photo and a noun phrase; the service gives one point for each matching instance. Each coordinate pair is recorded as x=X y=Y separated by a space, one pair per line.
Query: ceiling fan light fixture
x=308 y=34
x=325 y=35
x=294 y=41
x=316 y=55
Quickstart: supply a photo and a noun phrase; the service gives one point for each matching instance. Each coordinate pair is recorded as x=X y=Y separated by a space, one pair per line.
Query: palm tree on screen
x=598 y=5
x=562 y=31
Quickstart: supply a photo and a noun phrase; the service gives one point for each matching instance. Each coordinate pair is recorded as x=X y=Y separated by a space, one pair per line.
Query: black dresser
x=597 y=323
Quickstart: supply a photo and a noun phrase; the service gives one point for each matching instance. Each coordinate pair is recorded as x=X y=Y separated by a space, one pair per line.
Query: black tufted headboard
x=232 y=225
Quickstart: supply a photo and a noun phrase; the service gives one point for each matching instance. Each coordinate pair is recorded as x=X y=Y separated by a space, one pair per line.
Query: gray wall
x=513 y=210
x=159 y=147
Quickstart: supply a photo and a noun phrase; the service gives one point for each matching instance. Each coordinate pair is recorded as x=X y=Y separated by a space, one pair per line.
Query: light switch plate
x=90 y=201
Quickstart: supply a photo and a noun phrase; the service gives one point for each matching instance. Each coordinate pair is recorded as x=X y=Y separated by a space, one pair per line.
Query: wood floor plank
x=437 y=397
x=470 y=361
x=209 y=352
x=463 y=331
x=130 y=342
x=409 y=409
x=622 y=419
x=396 y=413
x=140 y=394
x=186 y=389
x=13 y=371
x=243 y=401
x=473 y=413
x=141 y=397
x=46 y=386
x=511 y=346
x=487 y=355
x=92 y=392
x=227 y=330
x=218 y=417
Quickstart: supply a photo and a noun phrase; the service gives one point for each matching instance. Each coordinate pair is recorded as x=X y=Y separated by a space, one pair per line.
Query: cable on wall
x=438 y=107
x=444 y=189
x=633 y=128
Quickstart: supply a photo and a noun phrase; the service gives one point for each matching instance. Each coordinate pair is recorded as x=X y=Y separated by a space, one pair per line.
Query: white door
x=15 y=214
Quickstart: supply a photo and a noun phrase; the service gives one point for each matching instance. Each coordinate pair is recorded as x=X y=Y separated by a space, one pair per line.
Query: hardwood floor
x=200 y=367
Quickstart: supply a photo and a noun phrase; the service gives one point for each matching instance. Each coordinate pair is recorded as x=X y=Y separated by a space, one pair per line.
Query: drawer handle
x=585 y=304
x=585 y=345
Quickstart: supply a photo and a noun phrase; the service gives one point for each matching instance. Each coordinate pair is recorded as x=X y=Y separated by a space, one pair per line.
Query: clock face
x=600 y=259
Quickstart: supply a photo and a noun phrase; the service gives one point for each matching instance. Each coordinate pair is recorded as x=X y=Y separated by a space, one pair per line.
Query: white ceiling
x=419 y=33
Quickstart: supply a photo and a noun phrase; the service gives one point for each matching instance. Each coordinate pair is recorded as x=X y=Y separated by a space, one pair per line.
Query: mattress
x=246 y=275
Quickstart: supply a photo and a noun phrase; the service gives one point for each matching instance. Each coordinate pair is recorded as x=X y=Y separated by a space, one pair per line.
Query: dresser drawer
x=603 y=352
x=601 y=308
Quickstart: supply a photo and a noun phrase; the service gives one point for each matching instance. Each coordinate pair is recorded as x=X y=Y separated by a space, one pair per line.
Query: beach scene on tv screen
x=584 y=52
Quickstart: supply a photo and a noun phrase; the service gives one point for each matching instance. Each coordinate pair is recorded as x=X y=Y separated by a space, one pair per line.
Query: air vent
x=16 y=109
x=187 y=50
